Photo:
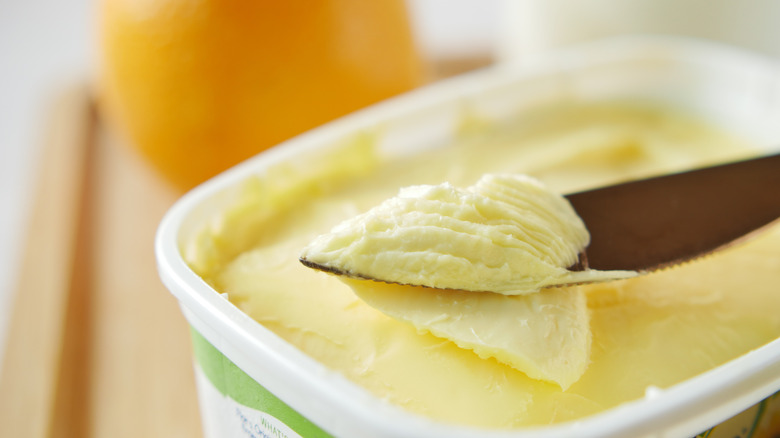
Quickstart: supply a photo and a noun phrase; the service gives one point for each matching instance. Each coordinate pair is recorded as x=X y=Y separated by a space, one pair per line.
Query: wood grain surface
x=97 y=347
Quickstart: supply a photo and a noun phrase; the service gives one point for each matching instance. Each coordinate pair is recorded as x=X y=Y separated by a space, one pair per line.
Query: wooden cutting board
x=97 y=347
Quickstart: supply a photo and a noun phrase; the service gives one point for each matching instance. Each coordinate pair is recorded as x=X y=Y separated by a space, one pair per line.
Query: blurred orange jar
x=199 y=85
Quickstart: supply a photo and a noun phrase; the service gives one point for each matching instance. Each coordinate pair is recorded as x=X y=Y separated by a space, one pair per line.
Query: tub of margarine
x=282 y=350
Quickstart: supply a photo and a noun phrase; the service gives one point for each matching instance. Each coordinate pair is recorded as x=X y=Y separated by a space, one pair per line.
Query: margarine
x=506 y=234
x=544 y=335
x=494 y=245
x=649 y=331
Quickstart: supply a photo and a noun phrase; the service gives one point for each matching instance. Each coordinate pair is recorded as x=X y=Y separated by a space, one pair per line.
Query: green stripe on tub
x=232 y=382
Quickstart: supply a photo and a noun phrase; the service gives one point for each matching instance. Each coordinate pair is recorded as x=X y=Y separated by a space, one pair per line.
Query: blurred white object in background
x=452 y=29
x=531 y=28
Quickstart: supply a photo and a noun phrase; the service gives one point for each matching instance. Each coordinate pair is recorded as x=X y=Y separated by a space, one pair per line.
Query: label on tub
x=761 y=420
x=224 y=417
x=233 y=405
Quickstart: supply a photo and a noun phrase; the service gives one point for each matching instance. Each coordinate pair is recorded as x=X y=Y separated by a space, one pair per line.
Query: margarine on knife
x=506 y=234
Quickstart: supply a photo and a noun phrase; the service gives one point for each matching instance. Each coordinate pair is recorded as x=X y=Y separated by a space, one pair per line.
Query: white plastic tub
x=252 y=383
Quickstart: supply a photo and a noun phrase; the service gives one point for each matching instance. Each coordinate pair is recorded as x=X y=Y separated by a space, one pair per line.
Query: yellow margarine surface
x=506 y=234
x=654 y=330
x=544 y=335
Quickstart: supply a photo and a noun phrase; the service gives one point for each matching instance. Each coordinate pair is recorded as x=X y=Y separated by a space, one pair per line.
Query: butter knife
x=649 y=224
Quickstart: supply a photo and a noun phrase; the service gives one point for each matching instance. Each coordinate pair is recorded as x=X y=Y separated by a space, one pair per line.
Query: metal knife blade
x=657 y=222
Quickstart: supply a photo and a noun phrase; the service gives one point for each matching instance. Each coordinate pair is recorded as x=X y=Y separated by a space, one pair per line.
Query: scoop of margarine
x=544 y=335
x=507 y=234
